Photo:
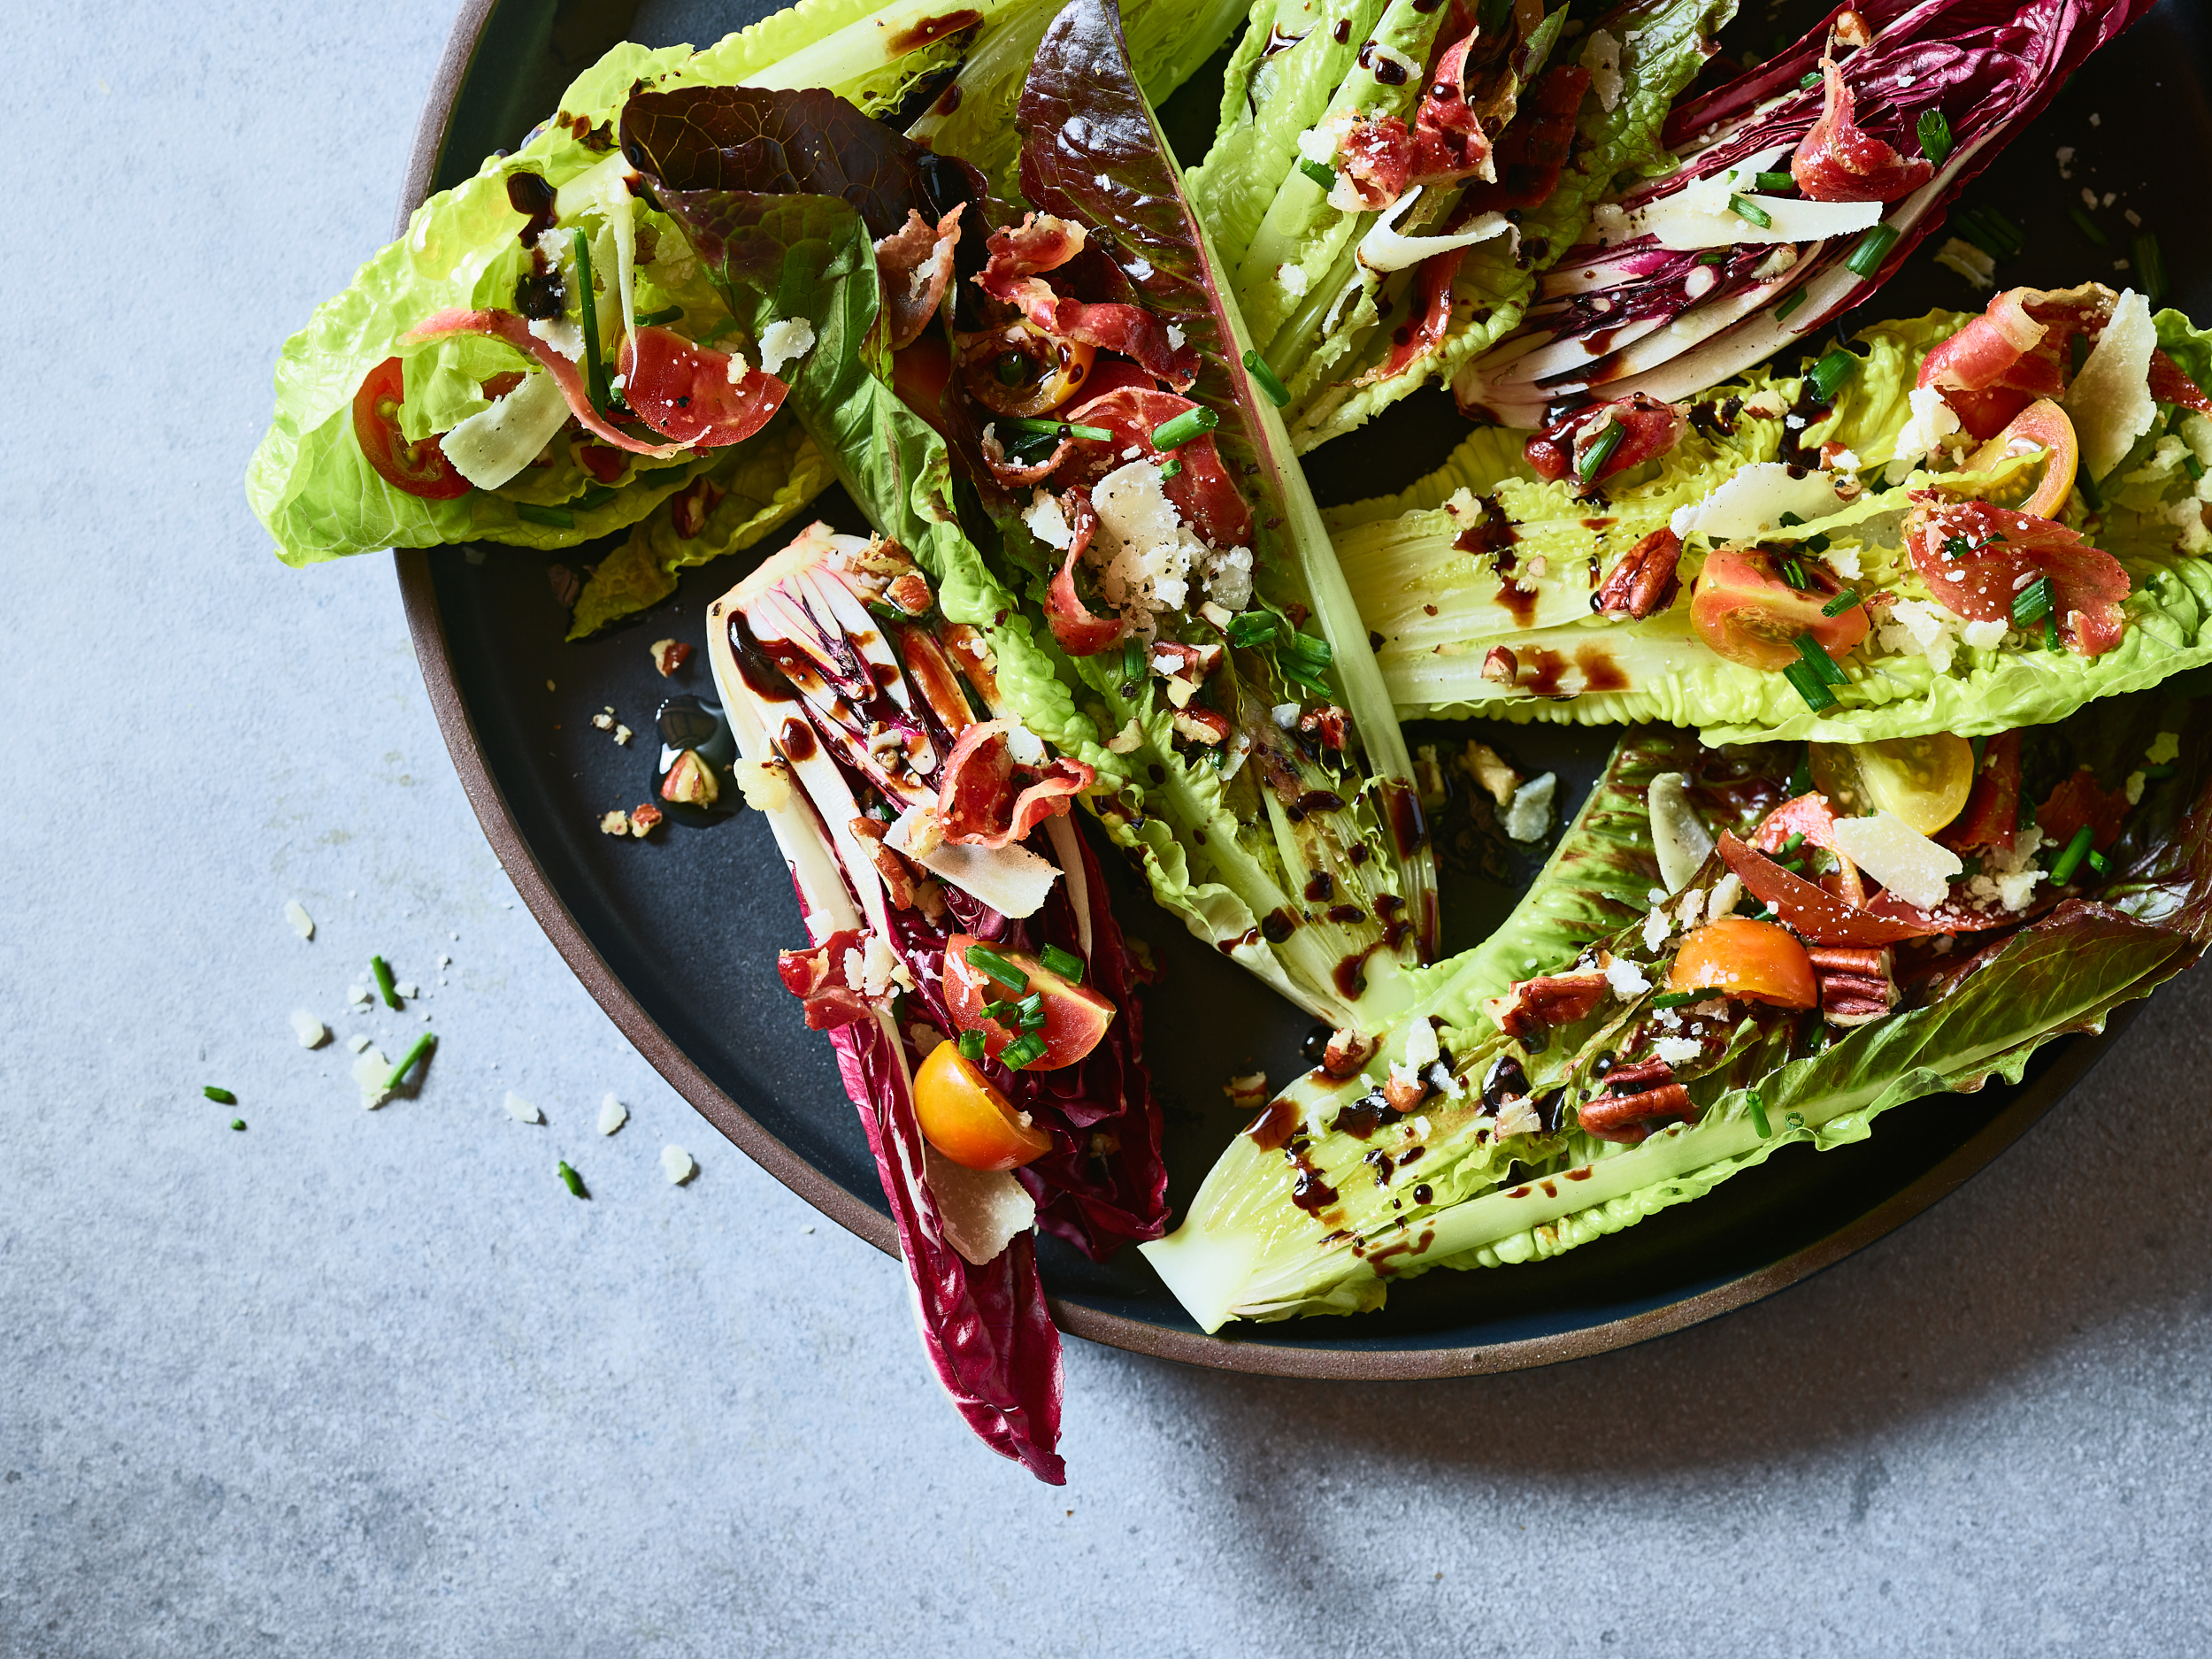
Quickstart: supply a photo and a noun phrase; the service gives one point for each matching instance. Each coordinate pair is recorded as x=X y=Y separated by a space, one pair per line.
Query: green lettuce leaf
x=1401 y=557
x=1306 y=1214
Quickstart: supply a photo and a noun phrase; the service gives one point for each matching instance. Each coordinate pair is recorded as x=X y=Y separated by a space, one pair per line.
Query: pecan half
x=1857 y=986
x=1500 y=666
x=1201 y=726
x=1346 y=1052
x=1643 y=583
x=1403 y=1096
x=1557 y=999
x=1632 y=1098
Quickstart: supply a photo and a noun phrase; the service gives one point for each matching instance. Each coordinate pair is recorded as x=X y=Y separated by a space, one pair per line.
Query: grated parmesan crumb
x=521 y=1110
x=312 y=1031
x=613 y=1115
x=678 y=1165
x=303 y=924
x=1626 y=978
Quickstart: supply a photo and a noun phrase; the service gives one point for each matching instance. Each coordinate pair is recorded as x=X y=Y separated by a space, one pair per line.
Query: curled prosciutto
x=1573 y=443
x=1979 y=561
x=1015 y=273
x=991 y=796
x=1837 y=160
x=916 y=265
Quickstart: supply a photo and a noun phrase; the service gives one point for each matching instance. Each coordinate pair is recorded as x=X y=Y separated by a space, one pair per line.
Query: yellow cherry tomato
x=1924 y=780
x=968 y=1120
x=1018 y=369
x=2044 y=425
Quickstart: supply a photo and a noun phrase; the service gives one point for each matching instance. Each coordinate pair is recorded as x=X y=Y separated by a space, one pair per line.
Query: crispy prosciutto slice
x=816 y=978
x=991 y=799
x=2021 y=349
x=1991 y=818
x=1837 y=160
x=916 y=265
x=1649 y=428
x=1080 y=631
x=1534 y=146
x=1014 y=273
x=2080 y=800
x=1814 y=913
x=1808 y=816
x=1432 y=315
x=1203 y=491
x=1380 y=158
x=1977 y=559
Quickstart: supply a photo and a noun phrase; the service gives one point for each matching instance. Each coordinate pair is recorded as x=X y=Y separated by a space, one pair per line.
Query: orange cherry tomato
x=1021 y=371
x=1076 y=1016
x=420 y=467
x=1745 y=609
x=1756 y=961
x=968 y=1120
x=2044 y=425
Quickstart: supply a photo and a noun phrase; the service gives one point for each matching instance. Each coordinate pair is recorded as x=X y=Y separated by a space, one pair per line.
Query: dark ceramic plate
x=676 y=937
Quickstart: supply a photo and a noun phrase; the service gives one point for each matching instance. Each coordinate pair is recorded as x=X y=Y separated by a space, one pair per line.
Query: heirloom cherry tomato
x=1738 y=957
x=1748 y=611
x=420 y=468
x=1924 y=780
x=968 y=1120
x=1075 y=1017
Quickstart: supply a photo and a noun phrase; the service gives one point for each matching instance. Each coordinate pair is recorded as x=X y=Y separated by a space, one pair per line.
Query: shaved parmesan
x=2110 y=401
x=492 y=446
x=1383 y=248
x=980 y=1211
x=1753 y=500
x=303 y=924
x=1012 y=880
x=1899 y=856
x=1530 y=814
x=784 y=341
x=1601 y=56
x=518 y=1109
x=1701 y=217
x=1678 y=834
x=371 y=1073
x=613 y=1115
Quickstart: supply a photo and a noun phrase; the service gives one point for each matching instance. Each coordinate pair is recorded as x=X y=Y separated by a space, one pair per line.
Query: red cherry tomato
x=420 y=468
x=1746 y=612
x=1740 y=957
x=1076 y=1016
x=968 y=1120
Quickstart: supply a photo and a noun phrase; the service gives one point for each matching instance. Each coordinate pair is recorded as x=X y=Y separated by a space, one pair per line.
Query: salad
x=1908 y=639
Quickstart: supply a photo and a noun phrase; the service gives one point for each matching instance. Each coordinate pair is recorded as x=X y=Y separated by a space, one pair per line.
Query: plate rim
x=426 y=631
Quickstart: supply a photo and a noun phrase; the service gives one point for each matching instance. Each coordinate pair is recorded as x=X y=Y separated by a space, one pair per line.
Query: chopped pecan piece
x=1248 y=1093
x=1500 y=666
x=1202 y=726
x=1632 y=1098
x=1329 y=723
x=669 y=655
x=884 y=573
x=1557 y=999
x=645 y=818
x=899 y=880
x=691 y=781
x=1643 y=583
x=1857 y=986
x=1404 y=1096
x=1346 y=1052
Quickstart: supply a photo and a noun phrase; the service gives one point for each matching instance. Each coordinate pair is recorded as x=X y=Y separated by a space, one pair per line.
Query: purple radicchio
x=1677 y=283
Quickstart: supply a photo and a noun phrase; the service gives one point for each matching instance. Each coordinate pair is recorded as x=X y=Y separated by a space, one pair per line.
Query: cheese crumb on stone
x=370 y=1073
x=356 y=1042
x=358 y=994
x=312 y=1031
x=303 y=924
x=677 y=1164
x=521 y=1110
x=784 y=341
x=1626 y=978
x=613 y=1115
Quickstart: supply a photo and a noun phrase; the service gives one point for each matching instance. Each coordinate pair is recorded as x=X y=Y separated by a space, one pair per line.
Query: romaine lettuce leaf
x=1402 y=560
x=1323 y=1201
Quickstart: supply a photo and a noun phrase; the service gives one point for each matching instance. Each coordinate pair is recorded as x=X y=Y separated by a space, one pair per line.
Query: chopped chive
x=1058 y=429
x=984 y=960
x=1956 y=547
x=1816 y=543
x=1758 y=1110
x=220 y=1096
x=2068 y=861
x=1320 y=172
x=1304 y=659
x=2050 y=633
x=1845 y=601
x=1816 y=658
x=596 y=495
x=1169 y=468
x=1027 y=1046
x=2087 y=226
x=1599 y=452
x=1001 y=1009
x=1192 y=423
x=1132 y=660
x=1775 y=181
x=416 y=1050
x=1801 y=777
x=2099 y=864
x=971 y=1046
x=1795 y=1120
x=1255 y=365
x=2174 y=420
x=2032 y=602
x=238 y=1123
x=1807 y=81
x=1980 y=745
x=1830 y=374
x=1796 y=840
x=1794 y=573
x=2150 y=267
x=1029 y=1011
x=1873 y=248
x=384 y=986
x=1789 y=521
x=1677 y=999
x=1795 y=299
x=654 y=319
x=1251 y=628
x=559 y=517
x=1718 y=256
x=588 y=308
x=2088 y=484
x=1066 y=964
x=2192 y=466
x=1810 y=686
x=571 y=1180
x=2165 y=769
x=1935 y=136
x=1744 y=208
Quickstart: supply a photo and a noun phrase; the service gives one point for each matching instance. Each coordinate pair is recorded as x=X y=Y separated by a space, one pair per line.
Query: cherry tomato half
x=1924 y=780
x=2044 y=425
x=1021 y=371
x=1740 y=957
x=968 y=1120
x=1076 y=1016
x=419 y=468
x=1744 y=609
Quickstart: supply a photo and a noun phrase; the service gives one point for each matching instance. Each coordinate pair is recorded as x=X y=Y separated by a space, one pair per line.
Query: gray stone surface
x=365 y=1384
